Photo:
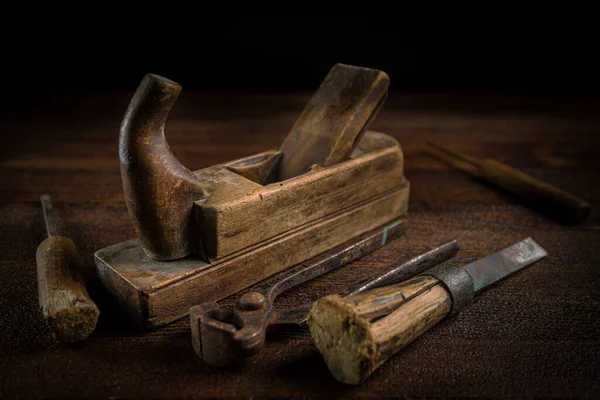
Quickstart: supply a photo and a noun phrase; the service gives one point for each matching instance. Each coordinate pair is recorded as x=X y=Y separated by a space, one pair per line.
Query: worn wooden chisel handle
x=358 y=333
x=355 y=339
x=66 y=305
x=564 y=205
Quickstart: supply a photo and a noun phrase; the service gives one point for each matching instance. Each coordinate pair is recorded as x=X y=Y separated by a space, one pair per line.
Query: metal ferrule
x=456 y=281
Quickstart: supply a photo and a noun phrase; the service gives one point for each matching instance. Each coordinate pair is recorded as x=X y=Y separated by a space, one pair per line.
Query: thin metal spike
x=49 y=216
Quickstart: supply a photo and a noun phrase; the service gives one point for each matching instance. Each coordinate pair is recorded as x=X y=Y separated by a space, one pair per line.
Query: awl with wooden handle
x=358 y=334
x=562 y=205
x=66 y=305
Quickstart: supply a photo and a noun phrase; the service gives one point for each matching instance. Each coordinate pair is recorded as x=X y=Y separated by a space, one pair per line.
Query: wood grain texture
x=536 y=335
x=156 y=293
x=229 y=207
x=409 y=321
x=66 y=305
x=159 y=190
x=381 y=301
x=354 y=343
x=238 y=213
x=348 y=99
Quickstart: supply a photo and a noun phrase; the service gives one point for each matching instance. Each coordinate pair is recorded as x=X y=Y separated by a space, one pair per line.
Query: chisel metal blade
x=497 y=266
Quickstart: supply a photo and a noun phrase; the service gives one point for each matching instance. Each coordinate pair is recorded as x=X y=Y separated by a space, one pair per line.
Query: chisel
x=66 y=305
x=562 y=205
x=357 y=334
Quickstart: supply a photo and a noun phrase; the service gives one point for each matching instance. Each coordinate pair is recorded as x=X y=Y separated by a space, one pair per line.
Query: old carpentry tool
x=398 y=273
x=222 y=336
x=204 y=235
x=358 y=334
x=541 y=195
x=66 y=305
x=342 y=122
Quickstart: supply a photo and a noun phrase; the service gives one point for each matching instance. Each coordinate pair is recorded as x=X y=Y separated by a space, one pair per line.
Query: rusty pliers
x=223 y=335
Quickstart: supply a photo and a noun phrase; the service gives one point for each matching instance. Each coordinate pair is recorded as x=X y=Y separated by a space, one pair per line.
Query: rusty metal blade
x=49 y=216
x=330 y=260
x=408 y=269
x=497 y=266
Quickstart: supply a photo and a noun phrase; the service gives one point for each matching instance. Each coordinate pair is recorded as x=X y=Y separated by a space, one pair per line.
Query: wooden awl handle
x=561 y=205
x=354 y=343
x=66 y=305
x=564 y=205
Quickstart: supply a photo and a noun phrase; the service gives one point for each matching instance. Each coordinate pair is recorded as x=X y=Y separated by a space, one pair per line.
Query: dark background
x=538 y=54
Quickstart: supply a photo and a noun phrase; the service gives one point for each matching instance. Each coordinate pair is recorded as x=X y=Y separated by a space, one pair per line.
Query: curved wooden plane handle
x=159 y=191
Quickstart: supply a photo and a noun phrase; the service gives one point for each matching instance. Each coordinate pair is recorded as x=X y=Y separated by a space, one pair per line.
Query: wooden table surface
x=534 y=335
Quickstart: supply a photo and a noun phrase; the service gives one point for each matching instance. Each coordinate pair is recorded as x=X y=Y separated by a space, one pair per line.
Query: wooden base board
x=155 y=292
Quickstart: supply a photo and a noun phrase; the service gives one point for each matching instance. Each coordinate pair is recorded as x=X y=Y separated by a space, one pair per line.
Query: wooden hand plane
x=204 y=235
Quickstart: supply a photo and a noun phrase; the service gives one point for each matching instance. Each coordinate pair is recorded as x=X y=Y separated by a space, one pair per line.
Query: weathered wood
x=559 y=204
x=354 y=343
x=409 y=321
x=239 y=212
x=159 y=190
x=215 y=221
x=66 y=305
x=381 y=301
x=261 y=168
x=156 y=292
x=334 y=119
